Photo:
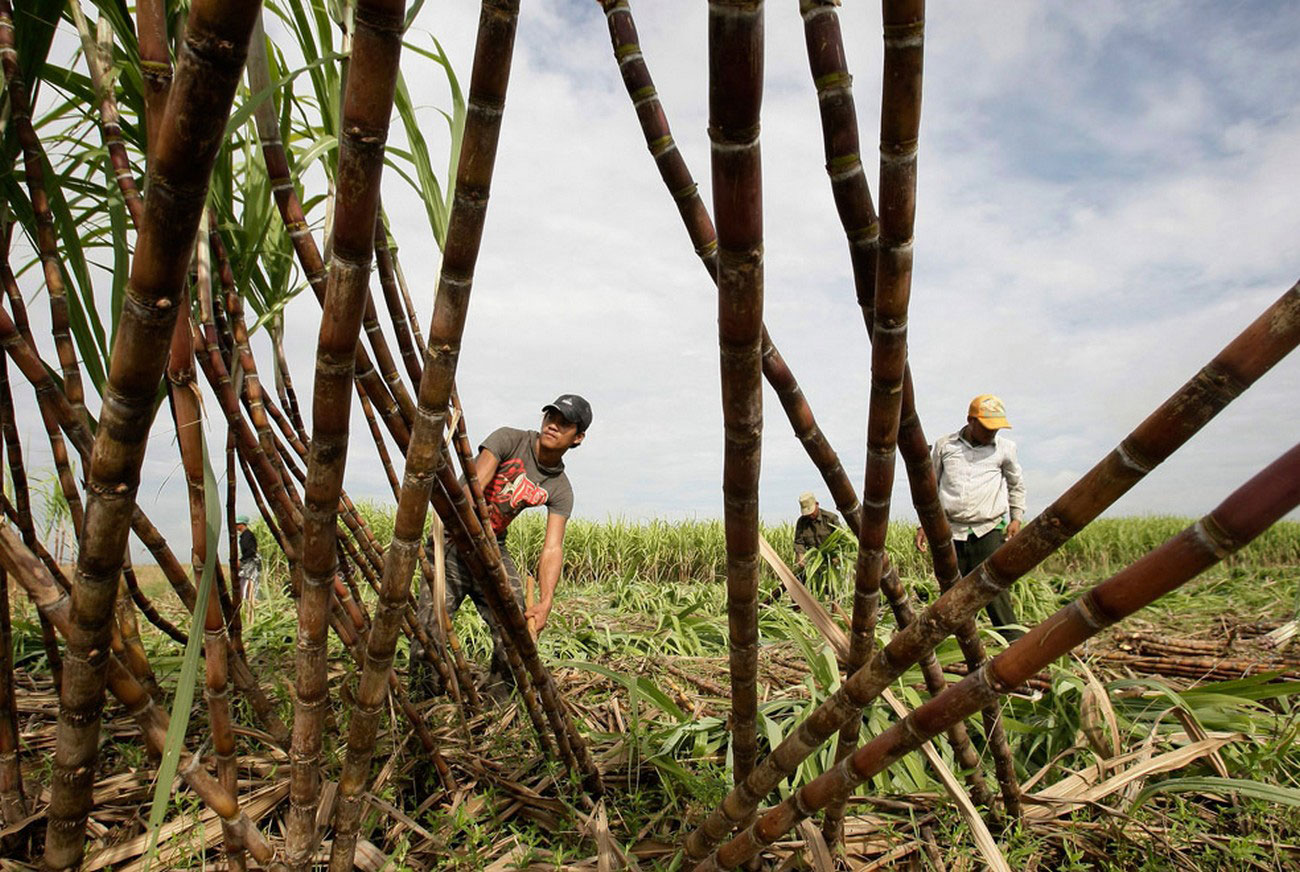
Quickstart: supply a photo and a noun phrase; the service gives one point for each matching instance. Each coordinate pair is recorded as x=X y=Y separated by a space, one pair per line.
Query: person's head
x=807 y=504
x=985 y=417
x=241 y=523
x=565 y=423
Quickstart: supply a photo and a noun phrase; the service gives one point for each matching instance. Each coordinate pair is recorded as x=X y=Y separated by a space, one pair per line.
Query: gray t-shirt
x=521 y=481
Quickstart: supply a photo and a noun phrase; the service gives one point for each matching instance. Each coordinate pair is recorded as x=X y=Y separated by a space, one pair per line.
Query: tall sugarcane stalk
x=47 y=244
x=677 y=177
x=852 y=195
x=367 y=106
x=155 y=66
x=388 y=283
x=1244 y=515
x=699 y=225
x=186 y=411
x=735 y=99
x=681 y=185
x=1268 y=339
x=210 y=61
x=55 y=603
x=900 y=121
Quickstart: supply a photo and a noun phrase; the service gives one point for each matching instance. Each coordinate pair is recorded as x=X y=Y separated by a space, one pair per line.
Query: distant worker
x=519 y=469
x=250 y=563
x=814 y=526
x=979 y=487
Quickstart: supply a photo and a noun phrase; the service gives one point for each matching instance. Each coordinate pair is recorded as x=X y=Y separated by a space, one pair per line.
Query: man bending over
x=519 y=469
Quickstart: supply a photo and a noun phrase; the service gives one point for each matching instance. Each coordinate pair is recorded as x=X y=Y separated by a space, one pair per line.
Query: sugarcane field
x=401 y=471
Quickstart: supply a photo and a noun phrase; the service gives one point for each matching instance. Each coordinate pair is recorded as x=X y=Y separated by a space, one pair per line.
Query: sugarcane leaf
x=429 y=189
x=184 y=698
x=1213 y=784
x=322 y=145
x=411 y=13
x=34 y=24
x=240 y=116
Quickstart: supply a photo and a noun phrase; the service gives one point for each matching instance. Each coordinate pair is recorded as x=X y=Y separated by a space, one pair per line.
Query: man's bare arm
x=548 y=568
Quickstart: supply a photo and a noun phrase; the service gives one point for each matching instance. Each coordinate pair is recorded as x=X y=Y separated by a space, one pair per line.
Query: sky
x=1105 y=199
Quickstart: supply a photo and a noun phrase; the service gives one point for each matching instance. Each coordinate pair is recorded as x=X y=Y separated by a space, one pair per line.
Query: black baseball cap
x=574 y=408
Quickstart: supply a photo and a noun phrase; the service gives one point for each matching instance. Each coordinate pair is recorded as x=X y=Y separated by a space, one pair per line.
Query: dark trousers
x=461 y=585
x=971 y=553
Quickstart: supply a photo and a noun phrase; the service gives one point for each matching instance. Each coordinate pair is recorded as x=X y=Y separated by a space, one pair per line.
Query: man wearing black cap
x=519 y=469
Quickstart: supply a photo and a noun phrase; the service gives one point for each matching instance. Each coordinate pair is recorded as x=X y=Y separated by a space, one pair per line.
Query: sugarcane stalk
x=735 y=98
x=150 y=611
x=1244 y=360
x=58 y=448
x=23 y=516
x=385 y=459
x=128 y=629
x=187 y=414
x=98 y=50
x=900 y=121
x=393 y=302
x=304 y=245
x=466 y=456
x=367 y=106
x=13 y=802
x=155 y=65
x=852 y=195
x=1244 y=515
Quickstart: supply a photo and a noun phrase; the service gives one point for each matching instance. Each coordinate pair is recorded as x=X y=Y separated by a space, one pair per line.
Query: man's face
x=979 y=434
x=558 y=432
x=241 y=527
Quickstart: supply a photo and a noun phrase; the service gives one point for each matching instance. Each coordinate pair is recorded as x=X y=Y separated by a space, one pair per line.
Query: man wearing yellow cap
x=812 y=528
x=982 y=493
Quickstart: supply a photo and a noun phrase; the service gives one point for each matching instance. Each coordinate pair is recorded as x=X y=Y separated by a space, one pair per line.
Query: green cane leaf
x=184 y=699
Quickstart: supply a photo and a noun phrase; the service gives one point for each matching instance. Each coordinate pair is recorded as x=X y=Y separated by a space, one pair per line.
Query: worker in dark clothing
x=815 y=524
x=250 y=563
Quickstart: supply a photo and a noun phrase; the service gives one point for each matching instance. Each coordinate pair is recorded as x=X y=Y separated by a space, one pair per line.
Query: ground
x=637 y=645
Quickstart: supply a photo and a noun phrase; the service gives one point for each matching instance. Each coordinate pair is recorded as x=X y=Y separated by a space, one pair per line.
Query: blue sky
x=1105 y=199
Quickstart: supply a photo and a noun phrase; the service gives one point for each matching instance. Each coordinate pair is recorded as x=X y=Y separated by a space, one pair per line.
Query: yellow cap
x=807 y=503
x=989 y=411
